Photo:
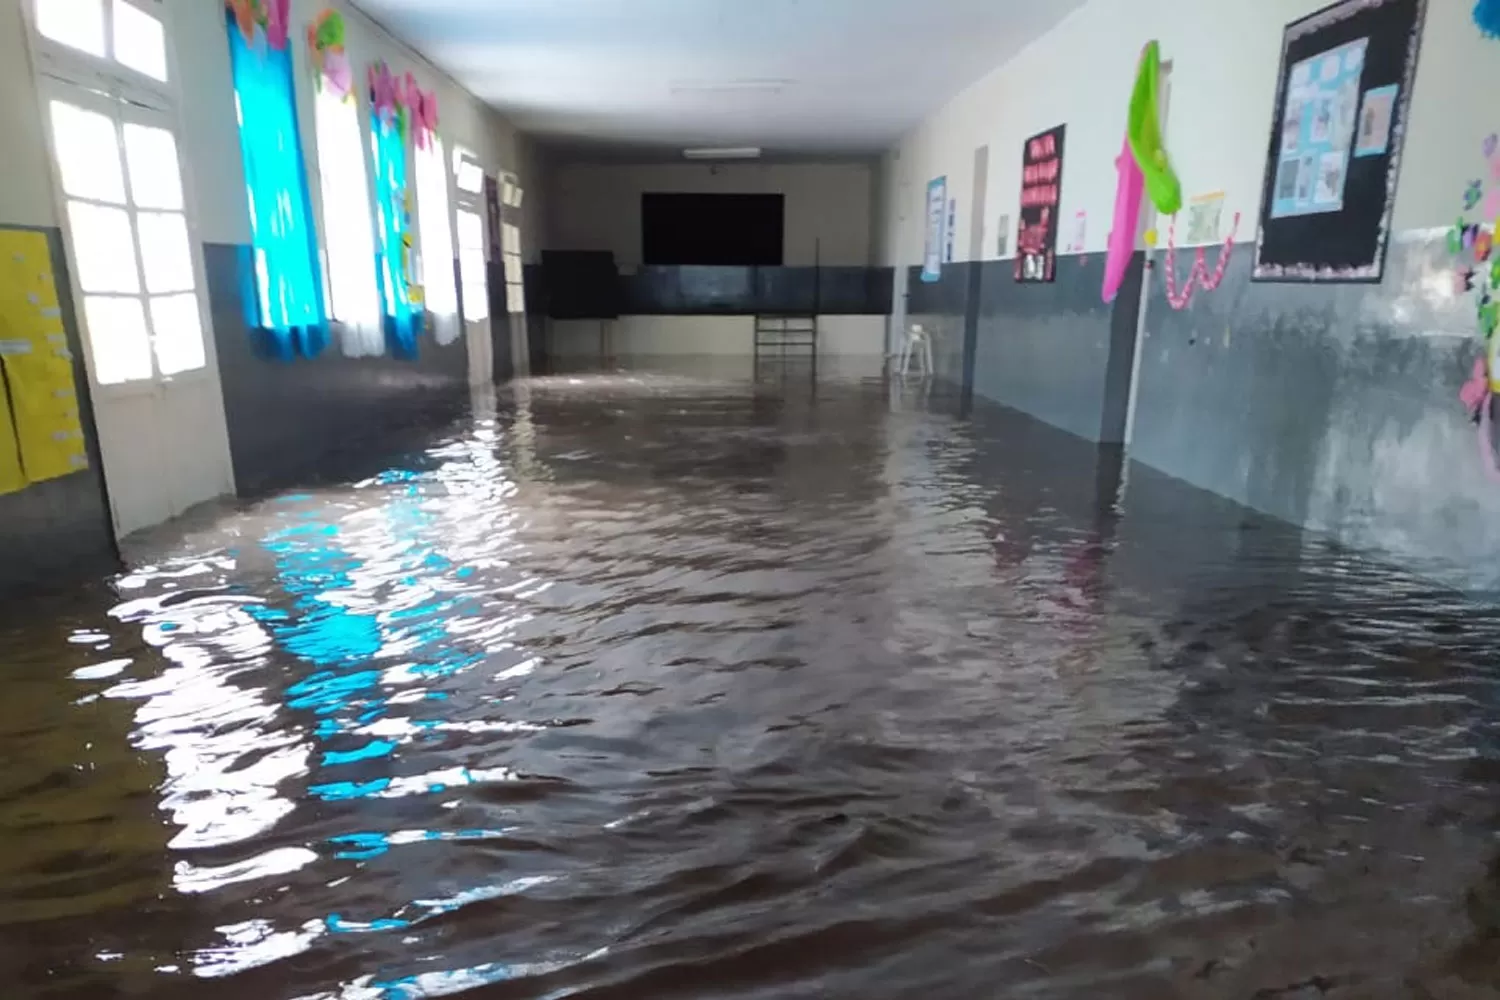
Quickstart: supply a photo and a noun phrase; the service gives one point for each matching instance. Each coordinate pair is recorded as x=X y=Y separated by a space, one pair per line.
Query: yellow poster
x=11 y=476
x=36 y=362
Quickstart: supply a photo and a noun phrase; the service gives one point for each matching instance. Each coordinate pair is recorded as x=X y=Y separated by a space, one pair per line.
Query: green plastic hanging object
x=1144 y=130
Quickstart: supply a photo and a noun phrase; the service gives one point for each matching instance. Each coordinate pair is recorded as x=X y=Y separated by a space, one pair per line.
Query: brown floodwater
x=672 y=685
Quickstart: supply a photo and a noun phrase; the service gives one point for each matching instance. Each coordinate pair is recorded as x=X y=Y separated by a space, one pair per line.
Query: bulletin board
x=41 y=433
x=1342 y=97
x=1041 y=195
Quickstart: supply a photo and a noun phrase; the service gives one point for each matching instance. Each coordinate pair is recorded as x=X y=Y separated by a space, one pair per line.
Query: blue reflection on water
x=343 y=637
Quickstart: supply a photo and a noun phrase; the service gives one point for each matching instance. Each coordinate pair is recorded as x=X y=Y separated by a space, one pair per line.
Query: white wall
x=209 y=136
x=828 y=205
x=1225 y=59
x=26 y=194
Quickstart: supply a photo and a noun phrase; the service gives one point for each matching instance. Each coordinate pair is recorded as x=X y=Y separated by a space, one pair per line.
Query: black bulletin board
x=1041 y=195
x=1313 y=242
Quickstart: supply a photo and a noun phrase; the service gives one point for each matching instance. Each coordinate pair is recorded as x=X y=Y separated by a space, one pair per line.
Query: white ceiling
x=798 y=77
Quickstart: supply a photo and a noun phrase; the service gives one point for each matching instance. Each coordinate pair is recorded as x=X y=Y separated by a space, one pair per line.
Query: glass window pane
x=515 y=298
x=435 y=219
x=178 y=327
x=348 y=227
x=77 y=23
x=470 y=231
x=118 y=341
x=476 y=302
x=166 y=254
x=510 y=238
x=88 y=154
x=103 y=248
x=512 y=268
x=470 y=177
x=140 y=42
x=155 y=172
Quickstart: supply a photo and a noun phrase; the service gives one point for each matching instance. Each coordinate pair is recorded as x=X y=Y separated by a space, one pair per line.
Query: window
x=388 y=153
x=510 y=245
x=348 y=226
x=116 y=157
x=515 y=288
x=435 y=219
x=472 y=271
x=289 y=294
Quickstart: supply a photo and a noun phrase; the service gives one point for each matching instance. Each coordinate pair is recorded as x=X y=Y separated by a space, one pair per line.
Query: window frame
x=101 y=84
x=470 y=202
x=510 y=223
x=339 y=325
x=436 y=155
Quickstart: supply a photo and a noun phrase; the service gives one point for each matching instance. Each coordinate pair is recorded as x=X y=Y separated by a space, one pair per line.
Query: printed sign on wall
x=937 y=209
x=1041 y=194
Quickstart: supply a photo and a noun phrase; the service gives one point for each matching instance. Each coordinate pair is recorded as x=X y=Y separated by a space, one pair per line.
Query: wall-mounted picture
x=1334 y=155
x=1041 y=195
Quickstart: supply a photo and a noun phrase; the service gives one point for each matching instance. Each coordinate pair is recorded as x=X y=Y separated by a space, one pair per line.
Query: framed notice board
x=1342 y=97
x=1041 y=196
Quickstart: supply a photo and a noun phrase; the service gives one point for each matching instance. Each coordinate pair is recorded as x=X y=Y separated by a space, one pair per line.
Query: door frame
x=100 y=85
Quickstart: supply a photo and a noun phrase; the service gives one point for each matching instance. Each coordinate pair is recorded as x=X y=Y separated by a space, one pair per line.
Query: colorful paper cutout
x=1487 y=17
x=325 y=46
x=388 y=96
x=268 y=19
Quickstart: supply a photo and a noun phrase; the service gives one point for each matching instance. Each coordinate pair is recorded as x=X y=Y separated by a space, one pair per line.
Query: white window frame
x=358 y=337
x=70 y=75
x=468 y=201
x=512 y=257
x=438 y=259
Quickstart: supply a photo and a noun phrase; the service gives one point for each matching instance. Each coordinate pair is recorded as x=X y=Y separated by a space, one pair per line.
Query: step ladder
x=779 y=339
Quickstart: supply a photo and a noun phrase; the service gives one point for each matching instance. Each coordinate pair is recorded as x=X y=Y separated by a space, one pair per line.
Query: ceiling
x=796 y=77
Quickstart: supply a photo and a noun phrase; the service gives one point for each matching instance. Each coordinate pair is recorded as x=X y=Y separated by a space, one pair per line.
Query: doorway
x=136 y=273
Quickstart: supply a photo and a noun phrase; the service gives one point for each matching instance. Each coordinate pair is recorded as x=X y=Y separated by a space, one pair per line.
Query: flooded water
x=664 y=686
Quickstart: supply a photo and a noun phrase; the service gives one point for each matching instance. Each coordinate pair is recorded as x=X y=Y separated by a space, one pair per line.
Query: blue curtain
x=401 y=323
x=290 y=316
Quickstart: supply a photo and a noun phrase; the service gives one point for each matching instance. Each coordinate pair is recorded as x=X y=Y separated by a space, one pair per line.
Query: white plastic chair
x=917 y=344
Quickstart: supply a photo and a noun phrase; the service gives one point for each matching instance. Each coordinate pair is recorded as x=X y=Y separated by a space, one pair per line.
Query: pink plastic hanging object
x=1129 y=190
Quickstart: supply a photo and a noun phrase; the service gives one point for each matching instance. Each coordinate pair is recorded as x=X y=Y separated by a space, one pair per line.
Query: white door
x=137 y=275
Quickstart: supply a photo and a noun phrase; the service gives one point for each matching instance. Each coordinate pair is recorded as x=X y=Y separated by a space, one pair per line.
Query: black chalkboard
x=1346 y=77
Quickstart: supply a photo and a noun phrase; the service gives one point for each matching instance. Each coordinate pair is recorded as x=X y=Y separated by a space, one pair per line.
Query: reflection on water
x=647 y=686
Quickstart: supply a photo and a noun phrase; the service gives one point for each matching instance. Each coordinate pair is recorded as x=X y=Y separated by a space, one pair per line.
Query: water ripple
x=652 y=686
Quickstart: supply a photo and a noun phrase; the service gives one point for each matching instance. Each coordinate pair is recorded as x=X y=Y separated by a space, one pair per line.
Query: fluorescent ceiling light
x=742 y=86
x=723 y=153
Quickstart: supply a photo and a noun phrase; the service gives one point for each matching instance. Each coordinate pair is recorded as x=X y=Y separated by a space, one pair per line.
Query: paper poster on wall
x=36 y=362
x=1373 y=136
x=937 y=209
x=1002 y=238
x=951 y=228
x=1080 y=232
x=1317 y=127
x=1041 y=194
x=1205 y=218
